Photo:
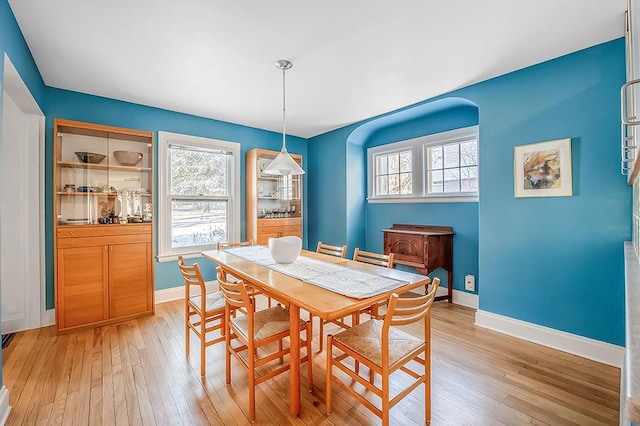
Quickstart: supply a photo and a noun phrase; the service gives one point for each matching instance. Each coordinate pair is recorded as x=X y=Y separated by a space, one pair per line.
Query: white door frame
x=17 y=90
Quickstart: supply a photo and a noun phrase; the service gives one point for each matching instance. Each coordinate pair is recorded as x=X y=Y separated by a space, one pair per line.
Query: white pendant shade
x=283 y=165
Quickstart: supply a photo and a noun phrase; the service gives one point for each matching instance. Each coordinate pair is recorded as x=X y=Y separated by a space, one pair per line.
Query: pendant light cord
x=284 y=115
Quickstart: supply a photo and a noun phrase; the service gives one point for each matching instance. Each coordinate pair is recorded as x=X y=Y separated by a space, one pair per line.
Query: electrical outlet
x=470 y=283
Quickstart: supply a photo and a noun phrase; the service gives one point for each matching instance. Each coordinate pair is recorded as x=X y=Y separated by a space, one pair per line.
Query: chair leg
x=355 y=321
x=329 y=372
x=321 y=336
x=252 y=382
x=427 y=387
x=309 y=356
x=227 y=352
x=311 y=322
x=385 y=397
x=203 y=346
x=187 y=331
x=280 y=349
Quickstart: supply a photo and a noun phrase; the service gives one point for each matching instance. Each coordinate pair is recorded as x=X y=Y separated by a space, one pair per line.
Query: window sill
x=174 y=257
x=431 y=199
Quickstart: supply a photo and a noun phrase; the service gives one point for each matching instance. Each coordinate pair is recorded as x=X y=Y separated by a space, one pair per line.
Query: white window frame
x=418 y=147
x=165 y=252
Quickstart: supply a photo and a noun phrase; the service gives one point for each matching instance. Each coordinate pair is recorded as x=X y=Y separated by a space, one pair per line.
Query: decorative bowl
x=128 y=158
x=90 y=157
x=285 y=249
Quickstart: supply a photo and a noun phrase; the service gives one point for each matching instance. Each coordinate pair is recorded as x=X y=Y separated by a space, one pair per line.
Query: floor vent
x=6 y=339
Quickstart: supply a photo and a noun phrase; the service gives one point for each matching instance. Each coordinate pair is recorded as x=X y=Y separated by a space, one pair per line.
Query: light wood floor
x=136 y=373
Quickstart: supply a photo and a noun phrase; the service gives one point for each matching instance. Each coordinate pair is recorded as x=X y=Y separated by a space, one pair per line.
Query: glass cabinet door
x=102 y=176
x=278 y=196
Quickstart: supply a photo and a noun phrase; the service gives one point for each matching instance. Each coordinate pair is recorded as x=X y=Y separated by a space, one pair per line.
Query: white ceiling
x=352 y=59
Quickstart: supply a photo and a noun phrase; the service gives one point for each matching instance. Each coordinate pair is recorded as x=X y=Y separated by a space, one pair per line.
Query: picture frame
x=543 y=169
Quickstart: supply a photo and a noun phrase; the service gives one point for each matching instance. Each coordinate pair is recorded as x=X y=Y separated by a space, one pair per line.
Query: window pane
x=196 y=172
x=382 y=186
x=394 y=184
x=469 y=153
x=394 y=165
x=435 y=157
x=198 y=223
x=405 y=161
x=435 y=181
x=451 y=155
x=469 y=179
x=405 y=183
x=381 y=165
x=452 y=180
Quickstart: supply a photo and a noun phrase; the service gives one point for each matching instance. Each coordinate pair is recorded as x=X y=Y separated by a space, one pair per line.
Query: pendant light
x=283 y=164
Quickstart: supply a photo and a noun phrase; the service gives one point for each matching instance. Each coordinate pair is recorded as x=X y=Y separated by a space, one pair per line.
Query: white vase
x=285 y=249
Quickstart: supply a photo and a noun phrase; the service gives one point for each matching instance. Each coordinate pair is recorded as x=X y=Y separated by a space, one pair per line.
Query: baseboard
x=49 y=318
x=5 y=408
x=585 y=347
x=463 y=298
x=177 y=293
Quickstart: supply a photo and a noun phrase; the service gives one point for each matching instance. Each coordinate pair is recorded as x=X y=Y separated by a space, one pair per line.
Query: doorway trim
x=19 y=93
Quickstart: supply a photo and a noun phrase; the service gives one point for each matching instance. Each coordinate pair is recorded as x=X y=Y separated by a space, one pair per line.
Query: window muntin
x=199 y=194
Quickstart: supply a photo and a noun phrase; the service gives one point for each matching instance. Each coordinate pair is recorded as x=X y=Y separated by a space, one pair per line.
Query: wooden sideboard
x=424 y=247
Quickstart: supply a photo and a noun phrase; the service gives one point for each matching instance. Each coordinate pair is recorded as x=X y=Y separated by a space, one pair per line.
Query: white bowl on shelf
x=285 y=249
x=128 y=158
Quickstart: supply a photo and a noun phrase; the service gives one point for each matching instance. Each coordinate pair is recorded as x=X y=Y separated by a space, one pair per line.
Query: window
x=440 y=167
x=393 y=173
x=452 y=167
x=199 y=196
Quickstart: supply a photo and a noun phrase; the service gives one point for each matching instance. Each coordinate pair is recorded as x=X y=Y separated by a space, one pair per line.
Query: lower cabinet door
x=130 y=279
x=82 y=286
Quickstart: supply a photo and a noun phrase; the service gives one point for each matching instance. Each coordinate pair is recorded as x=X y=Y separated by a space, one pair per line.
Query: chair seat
x=366 y=339
x=267 y=322
x=215 y=301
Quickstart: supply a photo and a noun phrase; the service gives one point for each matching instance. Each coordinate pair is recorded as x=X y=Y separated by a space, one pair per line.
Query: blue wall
x=93 y=109
x=555 y=262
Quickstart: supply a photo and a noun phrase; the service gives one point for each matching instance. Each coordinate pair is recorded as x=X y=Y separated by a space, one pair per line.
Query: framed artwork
x=543 y=169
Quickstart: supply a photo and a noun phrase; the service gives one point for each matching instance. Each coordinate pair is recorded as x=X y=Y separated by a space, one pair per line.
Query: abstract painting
x=543 y=169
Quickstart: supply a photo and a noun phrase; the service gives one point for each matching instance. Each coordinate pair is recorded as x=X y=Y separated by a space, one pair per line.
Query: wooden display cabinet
x=103 y=224
x=274 y=203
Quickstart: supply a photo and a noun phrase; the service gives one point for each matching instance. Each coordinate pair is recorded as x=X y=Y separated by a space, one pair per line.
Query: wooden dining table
x=298 y=294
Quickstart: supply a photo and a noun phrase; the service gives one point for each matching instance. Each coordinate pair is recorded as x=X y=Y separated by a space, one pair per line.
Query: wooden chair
x=385 y=260
x=201 y=318
x=385 y=349
x=230 y=277
x=337 y=251
x=254 y=331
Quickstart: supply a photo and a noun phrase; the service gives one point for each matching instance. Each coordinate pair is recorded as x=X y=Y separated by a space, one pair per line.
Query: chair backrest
x=235 y=244
x=403 y=311
x=385 y=260
x=234 y=292
x=192 y=277
x=332 y=250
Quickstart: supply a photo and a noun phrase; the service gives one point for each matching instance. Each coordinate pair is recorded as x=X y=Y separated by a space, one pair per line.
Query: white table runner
x=346 y=281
